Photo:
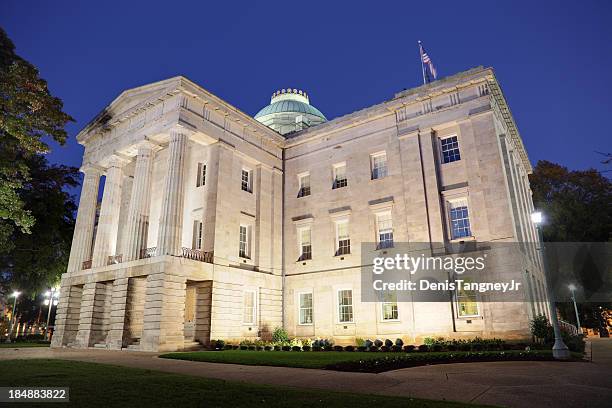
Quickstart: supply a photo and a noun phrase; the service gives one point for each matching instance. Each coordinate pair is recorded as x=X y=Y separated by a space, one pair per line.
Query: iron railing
x=148 y=252
x=115 y=259
x=197 y=255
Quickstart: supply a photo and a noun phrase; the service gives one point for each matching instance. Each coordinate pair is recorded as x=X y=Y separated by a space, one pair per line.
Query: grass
x=307 y=359
x=100 y=385
x=23 y=344
x=341 y=359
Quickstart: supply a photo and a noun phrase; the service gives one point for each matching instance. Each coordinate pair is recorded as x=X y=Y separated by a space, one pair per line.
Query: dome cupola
x=289 y=111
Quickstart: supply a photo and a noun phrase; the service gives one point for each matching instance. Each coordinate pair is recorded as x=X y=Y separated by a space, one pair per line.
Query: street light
x=572 y=289
x=51 y=299
x=15 y=294
x=560 y=350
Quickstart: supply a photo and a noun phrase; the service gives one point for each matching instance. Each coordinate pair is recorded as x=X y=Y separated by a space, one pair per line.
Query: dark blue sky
x=553 y=59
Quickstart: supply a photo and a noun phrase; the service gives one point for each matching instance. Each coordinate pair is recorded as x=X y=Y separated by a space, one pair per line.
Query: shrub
x=329 y=348
x=451 y=347
x=574 y=342
x=252 y=348
x=338 y=348
x=362 y=348
x=244 y=347
x=539 y=327
x=399 y=343
x=349 y=348
x=307 y=342
x=373 y=348
x=280 y=335
x=322 y=343
x=306 y=348
x=296 y=342
x=268 y=348
x=378 y=343
x=286 y=348
x=409 y=348
x=368 y=344
x=359 y=342
x=388 y=343
x=316 y=348
x=384 y=348
x=219 y=345
x=278 y=348
x=396 y=348
x=437 y=347
x=423 y=347
x=296 y=348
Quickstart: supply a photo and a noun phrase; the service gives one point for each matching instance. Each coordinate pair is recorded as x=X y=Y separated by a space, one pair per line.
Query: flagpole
x=422 y=66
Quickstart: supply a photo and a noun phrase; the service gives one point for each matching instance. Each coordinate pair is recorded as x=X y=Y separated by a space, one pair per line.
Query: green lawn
x=306 y=359
x=23 y=344
x=317 y=359
x=99 y=385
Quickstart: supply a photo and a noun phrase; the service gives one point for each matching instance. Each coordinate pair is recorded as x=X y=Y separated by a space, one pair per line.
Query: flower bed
x=393 y=362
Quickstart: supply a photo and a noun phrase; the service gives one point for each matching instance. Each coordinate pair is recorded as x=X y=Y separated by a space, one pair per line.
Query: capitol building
x=215 y=224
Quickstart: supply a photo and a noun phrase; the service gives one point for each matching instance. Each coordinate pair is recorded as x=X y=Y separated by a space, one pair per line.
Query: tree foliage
x=37 y=259
x=28 y=114
x=577 y=204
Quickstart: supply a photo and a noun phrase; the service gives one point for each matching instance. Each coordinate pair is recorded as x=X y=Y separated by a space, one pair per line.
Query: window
x=378 y=163
x=339 y=173
x=389 y=306
x=249 y=307
x=459 y=219
x=305 y=308
x=201 y=179
x=198 y=234
x=343 y=241
x=245 y=242
x=304 y=182
x=384 y=228
x=305 y=243
x=246 y=181
x=467 y=304
x=345 y=306
x=450 y=149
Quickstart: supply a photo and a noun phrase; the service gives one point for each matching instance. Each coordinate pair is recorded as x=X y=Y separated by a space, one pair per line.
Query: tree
x=577 y=204
x=578 y=208
x=28 y=113
x=37 y=259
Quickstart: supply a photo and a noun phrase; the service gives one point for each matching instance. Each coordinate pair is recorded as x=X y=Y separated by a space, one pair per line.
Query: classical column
x=83 y=230
x=108 y=222
x=138 y=213
x=171 y=221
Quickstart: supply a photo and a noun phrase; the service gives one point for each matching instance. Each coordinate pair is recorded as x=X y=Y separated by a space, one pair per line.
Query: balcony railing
x=115 y=259
x=198 y=255
x=86 y=264
x=148 y=252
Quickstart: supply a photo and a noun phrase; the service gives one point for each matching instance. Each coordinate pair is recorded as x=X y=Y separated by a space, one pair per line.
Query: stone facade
x=205 y=213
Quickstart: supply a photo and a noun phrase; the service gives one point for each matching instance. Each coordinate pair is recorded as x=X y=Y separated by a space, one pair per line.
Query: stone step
x=134 y=347
x=100 y=345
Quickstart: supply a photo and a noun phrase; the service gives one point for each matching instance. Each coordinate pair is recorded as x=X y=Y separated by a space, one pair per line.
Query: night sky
x=553 y=59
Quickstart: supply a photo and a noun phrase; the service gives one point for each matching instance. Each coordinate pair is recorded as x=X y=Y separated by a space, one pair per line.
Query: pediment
x=130 y=102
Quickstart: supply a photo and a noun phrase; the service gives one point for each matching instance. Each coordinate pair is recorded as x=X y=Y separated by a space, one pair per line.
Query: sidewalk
x=514 y=384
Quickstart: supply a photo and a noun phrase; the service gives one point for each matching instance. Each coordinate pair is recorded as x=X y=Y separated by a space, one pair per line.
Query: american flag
x=429 y=71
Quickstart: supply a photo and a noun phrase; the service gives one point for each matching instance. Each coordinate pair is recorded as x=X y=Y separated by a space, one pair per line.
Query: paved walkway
x=513 y=384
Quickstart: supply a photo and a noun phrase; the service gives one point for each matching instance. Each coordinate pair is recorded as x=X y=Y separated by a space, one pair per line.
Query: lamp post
x=15 y=294
x=572 y=289
x=560 y=350
x=51 y=299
